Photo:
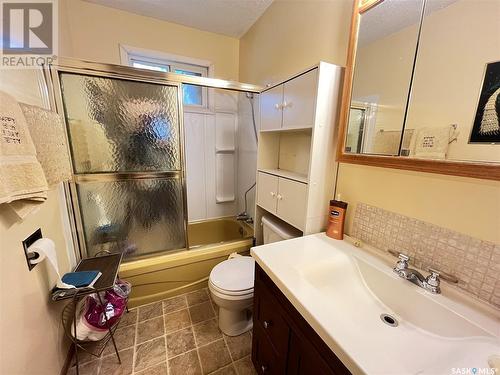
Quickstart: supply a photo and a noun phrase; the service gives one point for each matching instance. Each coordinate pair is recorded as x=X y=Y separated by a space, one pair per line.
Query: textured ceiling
x=228 y=17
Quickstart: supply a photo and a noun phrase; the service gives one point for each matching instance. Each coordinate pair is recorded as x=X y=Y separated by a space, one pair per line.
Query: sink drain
x=389 y=320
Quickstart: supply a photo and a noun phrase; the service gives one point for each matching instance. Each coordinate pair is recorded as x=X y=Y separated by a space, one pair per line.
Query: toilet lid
x=234 y=275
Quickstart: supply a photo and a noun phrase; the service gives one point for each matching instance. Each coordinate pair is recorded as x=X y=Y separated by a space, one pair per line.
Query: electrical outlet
x=36 y=235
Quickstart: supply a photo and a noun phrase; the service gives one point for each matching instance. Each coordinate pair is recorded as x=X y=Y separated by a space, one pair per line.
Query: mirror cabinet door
x=454 y=109
x=385 y=57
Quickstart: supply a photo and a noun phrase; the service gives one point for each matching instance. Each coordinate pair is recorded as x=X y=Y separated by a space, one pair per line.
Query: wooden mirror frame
x=490 y=171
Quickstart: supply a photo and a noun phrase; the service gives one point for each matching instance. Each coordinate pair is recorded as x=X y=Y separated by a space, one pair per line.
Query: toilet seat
x=234 y=277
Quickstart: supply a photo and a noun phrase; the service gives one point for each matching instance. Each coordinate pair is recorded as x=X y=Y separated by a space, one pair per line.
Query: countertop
x=342 y=313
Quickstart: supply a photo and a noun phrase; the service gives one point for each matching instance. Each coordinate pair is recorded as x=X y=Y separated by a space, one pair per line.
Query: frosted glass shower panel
x=136 y=217
x=118 y=125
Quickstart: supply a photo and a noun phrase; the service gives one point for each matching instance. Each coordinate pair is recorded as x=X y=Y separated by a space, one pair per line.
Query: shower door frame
x=67 y=65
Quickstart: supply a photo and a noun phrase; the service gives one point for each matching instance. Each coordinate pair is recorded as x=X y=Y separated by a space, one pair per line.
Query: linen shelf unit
x=296 y=167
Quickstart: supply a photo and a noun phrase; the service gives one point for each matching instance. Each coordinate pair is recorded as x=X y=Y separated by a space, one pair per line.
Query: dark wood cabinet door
x=264 y=358
x=283 y=342
x=303 y=359
x=269 y=315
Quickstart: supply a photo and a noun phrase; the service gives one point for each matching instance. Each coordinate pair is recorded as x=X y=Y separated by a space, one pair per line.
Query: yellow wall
x=467 y=205
x=272 y=49
x=293 y=35
x=94 y=32
x=31 y=335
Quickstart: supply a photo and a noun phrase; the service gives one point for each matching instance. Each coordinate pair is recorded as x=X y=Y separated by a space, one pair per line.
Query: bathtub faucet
x=244 y=216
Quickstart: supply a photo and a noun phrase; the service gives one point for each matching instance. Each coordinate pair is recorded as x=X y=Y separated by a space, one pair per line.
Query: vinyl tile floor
x=179 y=335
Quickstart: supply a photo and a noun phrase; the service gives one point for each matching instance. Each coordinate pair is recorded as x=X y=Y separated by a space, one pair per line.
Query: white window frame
x=129 y=54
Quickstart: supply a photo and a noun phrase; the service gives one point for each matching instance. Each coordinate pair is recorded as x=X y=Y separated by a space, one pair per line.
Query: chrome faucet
x=430 y=283
x=244 y=216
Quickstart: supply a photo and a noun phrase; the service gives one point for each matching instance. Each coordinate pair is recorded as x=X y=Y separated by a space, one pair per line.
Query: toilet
x=231 y=281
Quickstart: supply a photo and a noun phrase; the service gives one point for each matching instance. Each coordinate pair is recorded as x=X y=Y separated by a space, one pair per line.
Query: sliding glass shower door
x=126 y=143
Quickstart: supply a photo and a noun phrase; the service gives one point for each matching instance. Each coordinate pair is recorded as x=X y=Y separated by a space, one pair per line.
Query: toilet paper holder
x=30 y=240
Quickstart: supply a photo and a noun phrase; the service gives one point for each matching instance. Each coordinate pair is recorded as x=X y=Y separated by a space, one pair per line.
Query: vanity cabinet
x=283 y=342
x=282 y=197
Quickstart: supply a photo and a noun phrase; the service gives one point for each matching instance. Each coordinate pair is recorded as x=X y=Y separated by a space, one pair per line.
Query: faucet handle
x=402 y=263
x=403 y=257
x=433 y=271
x=443 y=275
x=433 y=280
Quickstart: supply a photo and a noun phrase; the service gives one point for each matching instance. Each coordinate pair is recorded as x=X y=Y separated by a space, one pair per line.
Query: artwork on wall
x=486 y=128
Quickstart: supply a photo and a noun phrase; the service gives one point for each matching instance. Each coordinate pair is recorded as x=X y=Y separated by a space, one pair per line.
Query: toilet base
x=234 y=322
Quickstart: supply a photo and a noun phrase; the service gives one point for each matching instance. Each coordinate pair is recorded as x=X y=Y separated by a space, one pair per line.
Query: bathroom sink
x=344 y=293
x=380 y=291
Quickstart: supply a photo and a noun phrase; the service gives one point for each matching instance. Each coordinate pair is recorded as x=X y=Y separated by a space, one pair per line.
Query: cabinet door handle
x=267 y=324
x=278 y=106
x=264 y=368
x=273 y=194
x=279 y=196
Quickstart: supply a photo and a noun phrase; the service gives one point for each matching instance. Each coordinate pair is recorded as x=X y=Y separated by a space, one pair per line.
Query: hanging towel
x=431 y=142
x=21 y=175
x=47 y=131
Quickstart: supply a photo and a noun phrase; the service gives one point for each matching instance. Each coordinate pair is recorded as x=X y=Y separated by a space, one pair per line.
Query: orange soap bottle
x=336 y=219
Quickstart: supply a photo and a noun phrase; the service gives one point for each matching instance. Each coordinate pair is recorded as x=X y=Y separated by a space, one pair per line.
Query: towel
x=21 y=175
x=431 y=142
x=47 y=131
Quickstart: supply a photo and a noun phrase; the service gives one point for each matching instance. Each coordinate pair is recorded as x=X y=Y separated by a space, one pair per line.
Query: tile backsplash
x=474 y=262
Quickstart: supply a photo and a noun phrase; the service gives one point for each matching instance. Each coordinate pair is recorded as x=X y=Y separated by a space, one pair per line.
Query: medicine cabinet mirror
x=422 y=88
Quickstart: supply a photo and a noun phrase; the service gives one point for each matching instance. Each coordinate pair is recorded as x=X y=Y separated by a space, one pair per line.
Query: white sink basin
x=377 y=291
x=342 y=292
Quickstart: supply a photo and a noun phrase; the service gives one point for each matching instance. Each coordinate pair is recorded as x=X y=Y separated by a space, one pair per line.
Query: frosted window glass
x=117 y=125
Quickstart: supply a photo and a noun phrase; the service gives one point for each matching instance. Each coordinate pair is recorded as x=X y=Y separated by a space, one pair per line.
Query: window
x=193 y=96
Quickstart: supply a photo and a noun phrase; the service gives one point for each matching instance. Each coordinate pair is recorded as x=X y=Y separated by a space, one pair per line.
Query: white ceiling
x=228 y=17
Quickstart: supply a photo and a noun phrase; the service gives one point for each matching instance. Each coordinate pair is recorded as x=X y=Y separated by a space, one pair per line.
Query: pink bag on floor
x=93 y=317
x=115 y=302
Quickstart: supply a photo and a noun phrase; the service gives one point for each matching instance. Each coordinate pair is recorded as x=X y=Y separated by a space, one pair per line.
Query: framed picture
x=486 y=128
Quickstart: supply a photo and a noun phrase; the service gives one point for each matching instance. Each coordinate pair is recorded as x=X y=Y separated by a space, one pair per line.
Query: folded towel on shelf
x=47 y=131
x=431 y=142
x=21 y=175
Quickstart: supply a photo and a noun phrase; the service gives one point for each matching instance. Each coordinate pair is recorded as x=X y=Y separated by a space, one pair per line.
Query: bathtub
x=162 y=276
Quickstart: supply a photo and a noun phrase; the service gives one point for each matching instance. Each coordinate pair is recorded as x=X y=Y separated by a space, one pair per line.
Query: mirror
x=422 y=88
x=382 y=74
x=454 y=110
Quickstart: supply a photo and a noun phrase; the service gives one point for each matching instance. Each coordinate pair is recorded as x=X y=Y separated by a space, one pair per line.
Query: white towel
x=431 y=142
x=21 y=175
x=47 y=131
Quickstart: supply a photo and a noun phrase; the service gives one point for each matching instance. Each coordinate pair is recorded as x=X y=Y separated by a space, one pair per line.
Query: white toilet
x=231 y=282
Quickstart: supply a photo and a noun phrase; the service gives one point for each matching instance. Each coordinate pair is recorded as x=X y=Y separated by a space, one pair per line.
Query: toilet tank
x=275 y=230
